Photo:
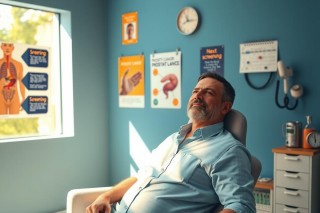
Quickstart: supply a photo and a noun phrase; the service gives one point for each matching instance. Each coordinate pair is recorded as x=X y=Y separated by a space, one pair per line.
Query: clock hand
x=186 y=21
x=187 y=18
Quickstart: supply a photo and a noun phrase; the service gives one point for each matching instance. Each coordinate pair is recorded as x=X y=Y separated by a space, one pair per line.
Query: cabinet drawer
x=298 y=198
x=296 y=180
x=289 y=209
x=295 y=163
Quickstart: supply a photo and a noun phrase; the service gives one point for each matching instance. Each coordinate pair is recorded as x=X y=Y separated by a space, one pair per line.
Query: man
x=194 y=169
x=130 y=31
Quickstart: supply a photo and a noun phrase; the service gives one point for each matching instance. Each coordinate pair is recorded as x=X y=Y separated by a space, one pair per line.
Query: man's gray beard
x=197 y=114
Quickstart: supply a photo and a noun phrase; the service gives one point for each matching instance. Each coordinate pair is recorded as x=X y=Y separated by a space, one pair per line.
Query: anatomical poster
x=131 y=81
x=24 y=80
x=130 y=28
x=166 y=80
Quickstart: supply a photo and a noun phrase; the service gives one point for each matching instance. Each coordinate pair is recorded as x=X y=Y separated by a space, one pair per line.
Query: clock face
x=313 y=139
x=187 y=20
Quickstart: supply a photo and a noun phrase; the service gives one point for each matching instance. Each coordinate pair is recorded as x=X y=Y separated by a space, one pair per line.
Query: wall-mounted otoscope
x=296 y=90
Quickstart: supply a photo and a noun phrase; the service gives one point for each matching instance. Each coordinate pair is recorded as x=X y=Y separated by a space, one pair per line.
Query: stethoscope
x=286 y=97
x=296 y=90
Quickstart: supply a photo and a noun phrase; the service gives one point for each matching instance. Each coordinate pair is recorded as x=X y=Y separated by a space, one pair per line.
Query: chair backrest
x=236 y=123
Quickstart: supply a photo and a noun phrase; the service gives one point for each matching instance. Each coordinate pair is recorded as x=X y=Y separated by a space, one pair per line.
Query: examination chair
x=235 y=122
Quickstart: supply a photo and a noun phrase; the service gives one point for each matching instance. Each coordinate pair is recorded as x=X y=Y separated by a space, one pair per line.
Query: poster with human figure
x=131 y=81
x=24 y=73
x=166 y=80
x=130 y=28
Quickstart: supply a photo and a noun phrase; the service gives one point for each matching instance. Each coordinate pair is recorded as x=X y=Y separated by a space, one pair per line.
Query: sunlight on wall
x=139 y=152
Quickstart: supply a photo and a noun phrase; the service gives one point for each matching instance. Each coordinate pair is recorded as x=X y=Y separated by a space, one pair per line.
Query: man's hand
x=100 y=205
x=129 y=83
x=103 y=203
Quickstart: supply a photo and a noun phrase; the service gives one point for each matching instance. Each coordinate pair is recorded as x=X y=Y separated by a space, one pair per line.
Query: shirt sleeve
x=232 y=180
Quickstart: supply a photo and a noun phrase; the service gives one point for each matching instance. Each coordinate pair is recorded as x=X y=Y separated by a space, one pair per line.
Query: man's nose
x=199 y=95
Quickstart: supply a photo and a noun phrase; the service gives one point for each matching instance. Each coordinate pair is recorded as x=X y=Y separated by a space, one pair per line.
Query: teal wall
x=292 y=22
x=35 y=176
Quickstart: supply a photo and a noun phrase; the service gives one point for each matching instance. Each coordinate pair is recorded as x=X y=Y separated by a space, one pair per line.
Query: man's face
x=7 y=48
x=130 y=31
x=205 y=104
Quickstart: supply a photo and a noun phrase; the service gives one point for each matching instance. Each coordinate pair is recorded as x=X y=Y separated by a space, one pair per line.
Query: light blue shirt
x=194 y=175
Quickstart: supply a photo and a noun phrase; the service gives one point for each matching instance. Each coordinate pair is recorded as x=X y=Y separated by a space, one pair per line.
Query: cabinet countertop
x=264 y=185
x=296 y=151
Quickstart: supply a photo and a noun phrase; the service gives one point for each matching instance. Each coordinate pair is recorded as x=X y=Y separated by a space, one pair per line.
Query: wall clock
x=187 y=20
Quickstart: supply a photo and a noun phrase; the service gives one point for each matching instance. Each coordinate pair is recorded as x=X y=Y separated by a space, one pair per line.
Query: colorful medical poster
x=212 y=59
x=166 y=80
x=130 y=28
x=24 y=80
x=131 y=81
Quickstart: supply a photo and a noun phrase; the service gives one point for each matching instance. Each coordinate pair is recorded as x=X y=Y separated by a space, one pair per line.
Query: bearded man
x=193 y=170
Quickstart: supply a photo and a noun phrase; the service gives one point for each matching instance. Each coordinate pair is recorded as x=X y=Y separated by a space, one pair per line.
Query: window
x=36 y=88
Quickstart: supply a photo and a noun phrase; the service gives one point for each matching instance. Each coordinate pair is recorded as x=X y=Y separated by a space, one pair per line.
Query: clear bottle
x=307 y=129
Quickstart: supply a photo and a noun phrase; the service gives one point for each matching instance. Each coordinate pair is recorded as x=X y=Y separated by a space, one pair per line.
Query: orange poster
x=131 y=81
x=130 y=28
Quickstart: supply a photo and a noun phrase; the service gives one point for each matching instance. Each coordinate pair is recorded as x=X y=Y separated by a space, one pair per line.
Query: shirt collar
x=203 y=132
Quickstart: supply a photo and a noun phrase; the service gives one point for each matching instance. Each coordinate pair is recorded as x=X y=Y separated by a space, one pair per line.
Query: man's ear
x=226 y=107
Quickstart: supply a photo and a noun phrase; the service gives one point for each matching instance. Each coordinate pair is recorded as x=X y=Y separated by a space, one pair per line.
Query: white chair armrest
x=79 y=199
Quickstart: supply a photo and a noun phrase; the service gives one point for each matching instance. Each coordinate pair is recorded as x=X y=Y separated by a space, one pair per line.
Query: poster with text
x=131 y=81
x=166 y=80
x=212 y=59
x=130 y=28
x=24 y=80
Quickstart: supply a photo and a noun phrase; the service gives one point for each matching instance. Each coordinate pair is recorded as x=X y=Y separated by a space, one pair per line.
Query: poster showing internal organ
x=24 y=79
x=166 y=80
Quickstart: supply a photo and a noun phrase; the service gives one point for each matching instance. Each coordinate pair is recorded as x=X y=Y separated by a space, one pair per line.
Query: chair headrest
x=236 y=123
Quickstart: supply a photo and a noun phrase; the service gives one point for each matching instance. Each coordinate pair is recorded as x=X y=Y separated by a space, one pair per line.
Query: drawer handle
x=291 y=158
x=291 y=175
x=290 y=210
x=291 y=193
